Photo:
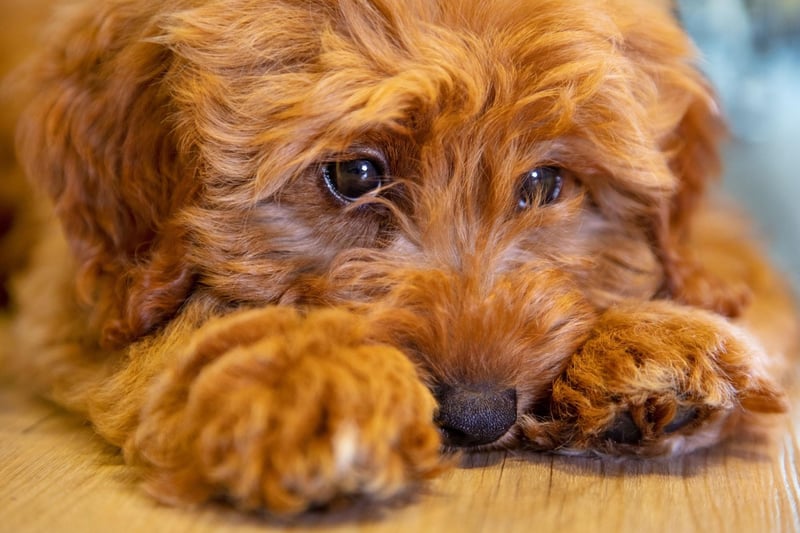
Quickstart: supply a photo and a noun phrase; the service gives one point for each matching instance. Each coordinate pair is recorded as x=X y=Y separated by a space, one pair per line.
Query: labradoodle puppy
x=299 y=247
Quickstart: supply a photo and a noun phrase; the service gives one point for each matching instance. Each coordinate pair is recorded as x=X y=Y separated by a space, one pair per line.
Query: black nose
x=475 y=416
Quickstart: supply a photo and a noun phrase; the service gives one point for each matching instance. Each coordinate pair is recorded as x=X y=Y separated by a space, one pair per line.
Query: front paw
x=658 y=379
x=277 y=411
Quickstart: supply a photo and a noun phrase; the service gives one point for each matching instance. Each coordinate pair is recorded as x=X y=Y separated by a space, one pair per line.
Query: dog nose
x=476 y=416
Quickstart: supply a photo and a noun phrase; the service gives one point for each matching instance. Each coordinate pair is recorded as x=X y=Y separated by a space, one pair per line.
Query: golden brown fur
x=243 y=333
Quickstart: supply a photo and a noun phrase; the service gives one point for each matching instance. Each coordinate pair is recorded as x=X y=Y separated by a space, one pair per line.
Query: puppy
x=300 y=247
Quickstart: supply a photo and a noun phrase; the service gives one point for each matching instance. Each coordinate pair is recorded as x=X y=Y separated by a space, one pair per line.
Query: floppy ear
x=689 y=129
x=96 y=137
x=693 y=149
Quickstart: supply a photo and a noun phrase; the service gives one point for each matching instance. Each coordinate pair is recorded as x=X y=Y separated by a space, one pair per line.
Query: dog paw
x=657 y=379
x=271 y=410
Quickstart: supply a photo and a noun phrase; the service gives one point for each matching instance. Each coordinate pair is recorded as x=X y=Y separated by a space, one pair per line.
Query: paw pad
x=624 y=428
x=683 y=417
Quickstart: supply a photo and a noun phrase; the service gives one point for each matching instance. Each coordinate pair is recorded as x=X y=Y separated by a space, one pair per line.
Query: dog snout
x=475 y=416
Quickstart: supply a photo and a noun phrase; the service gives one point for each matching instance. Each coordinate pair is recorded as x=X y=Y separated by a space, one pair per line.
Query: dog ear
x=96 y=137
x=693 y=153
x=689 y=130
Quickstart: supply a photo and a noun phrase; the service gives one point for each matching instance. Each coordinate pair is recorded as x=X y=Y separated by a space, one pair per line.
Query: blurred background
x=751 y=53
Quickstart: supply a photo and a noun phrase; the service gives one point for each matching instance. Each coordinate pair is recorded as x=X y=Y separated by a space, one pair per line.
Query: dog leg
x=271 y=409
x=658 y=379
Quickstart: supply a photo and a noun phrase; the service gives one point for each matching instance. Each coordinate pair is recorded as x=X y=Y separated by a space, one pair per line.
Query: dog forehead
x=312 y=77
x=460 y=55
x=374 y=60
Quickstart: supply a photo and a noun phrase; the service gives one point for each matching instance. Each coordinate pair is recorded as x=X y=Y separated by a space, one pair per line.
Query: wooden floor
x=57 y=476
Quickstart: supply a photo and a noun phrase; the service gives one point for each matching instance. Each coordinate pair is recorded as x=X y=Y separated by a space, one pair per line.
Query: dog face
x=476 y=181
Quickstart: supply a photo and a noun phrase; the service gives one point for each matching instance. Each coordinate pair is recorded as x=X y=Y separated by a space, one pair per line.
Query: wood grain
x=56 y=475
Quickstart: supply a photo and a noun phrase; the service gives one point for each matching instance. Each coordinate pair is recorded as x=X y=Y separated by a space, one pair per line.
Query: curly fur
x=241 y=333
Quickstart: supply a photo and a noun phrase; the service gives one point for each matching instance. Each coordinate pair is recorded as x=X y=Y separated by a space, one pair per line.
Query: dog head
x=477 y=180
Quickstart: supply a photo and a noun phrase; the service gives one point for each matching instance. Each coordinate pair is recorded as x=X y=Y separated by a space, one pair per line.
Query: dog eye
x=349 y=180
x=540 y=186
